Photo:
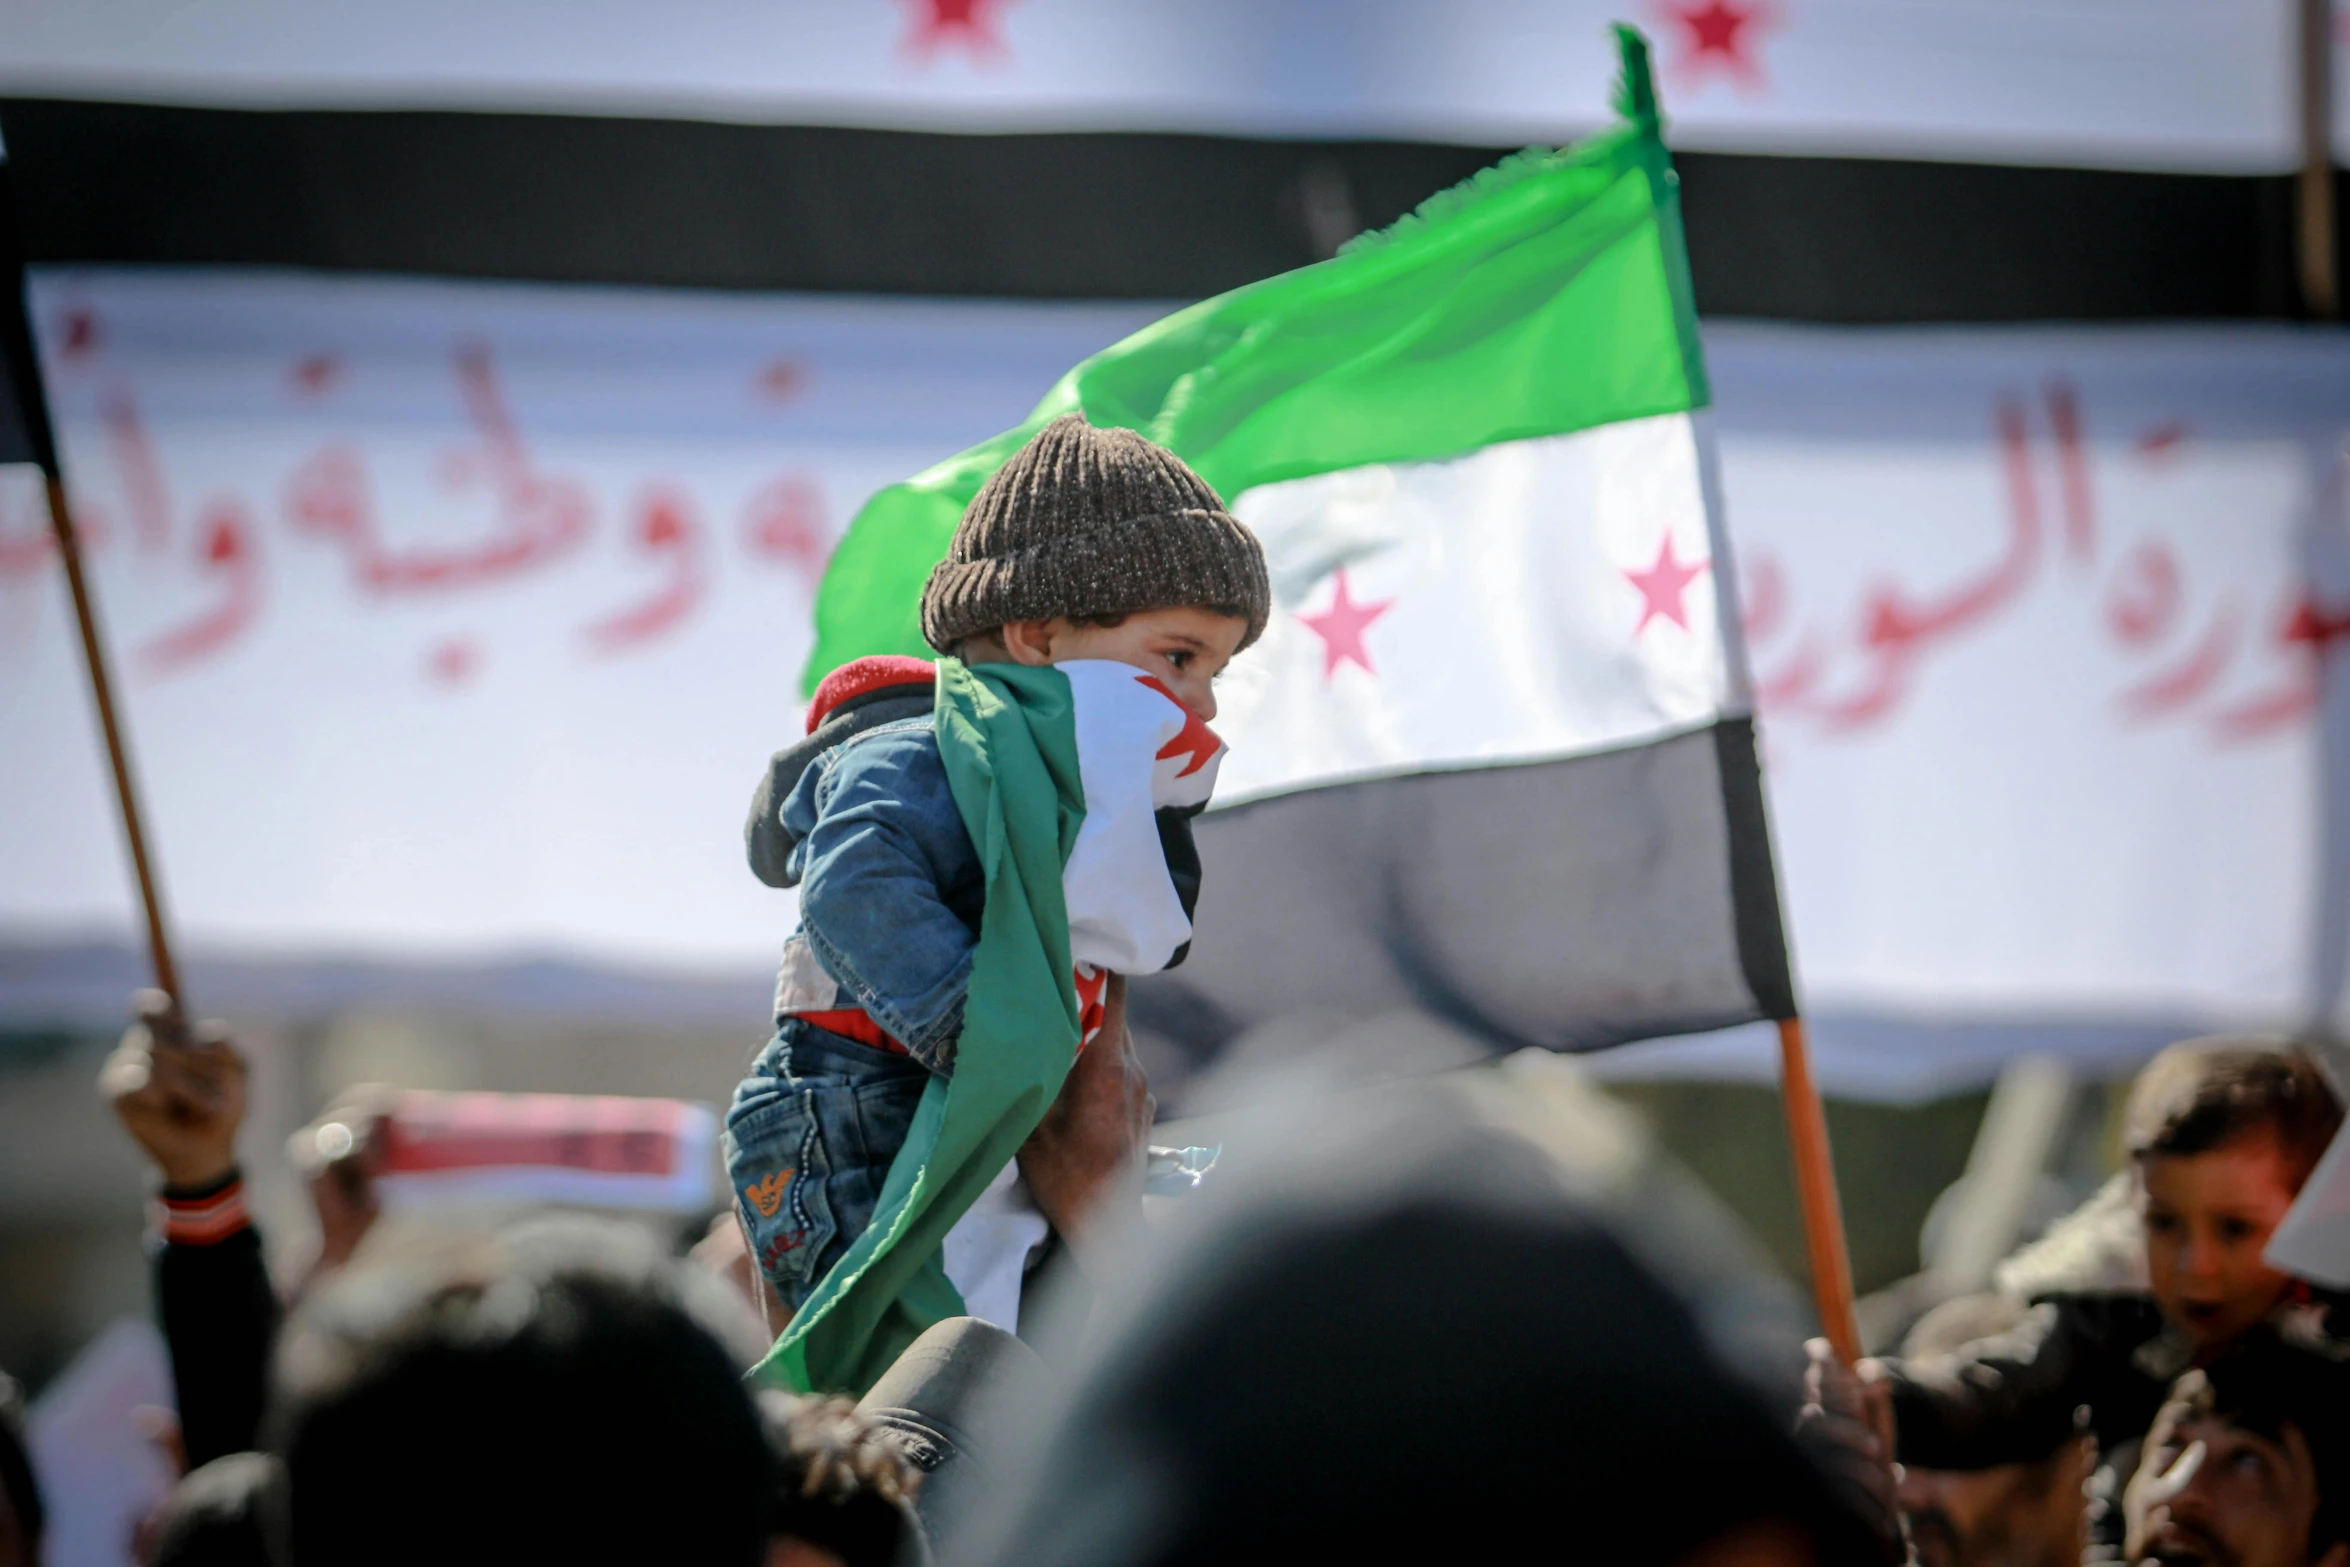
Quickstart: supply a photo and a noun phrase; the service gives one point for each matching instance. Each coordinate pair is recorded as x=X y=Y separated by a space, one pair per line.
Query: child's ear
x=1029 y=641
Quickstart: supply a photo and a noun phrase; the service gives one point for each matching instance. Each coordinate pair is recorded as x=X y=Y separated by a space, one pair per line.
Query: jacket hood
x=853 y=699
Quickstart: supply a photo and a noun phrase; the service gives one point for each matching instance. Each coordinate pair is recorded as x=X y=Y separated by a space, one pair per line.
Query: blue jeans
x=808 y=1143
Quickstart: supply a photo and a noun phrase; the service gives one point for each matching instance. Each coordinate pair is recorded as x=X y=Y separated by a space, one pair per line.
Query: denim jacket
x=890 y=888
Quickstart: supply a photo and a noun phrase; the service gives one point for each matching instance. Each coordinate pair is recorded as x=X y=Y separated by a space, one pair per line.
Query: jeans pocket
x=782 y=1175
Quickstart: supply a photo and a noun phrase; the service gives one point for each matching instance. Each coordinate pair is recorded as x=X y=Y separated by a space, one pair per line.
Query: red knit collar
x=860 y=677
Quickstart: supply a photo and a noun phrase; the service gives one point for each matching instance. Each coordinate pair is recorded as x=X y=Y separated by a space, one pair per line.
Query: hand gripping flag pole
x=26 y=435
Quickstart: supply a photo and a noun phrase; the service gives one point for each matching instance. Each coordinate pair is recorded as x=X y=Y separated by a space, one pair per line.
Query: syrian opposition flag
x=1493 y=760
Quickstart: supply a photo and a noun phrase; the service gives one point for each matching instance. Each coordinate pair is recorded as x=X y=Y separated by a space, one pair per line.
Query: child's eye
x=1179 y=659
x=2162 y=1223
x=2236 y=1229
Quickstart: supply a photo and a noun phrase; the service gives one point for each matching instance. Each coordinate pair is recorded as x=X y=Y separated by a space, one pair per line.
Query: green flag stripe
x=1547 y=295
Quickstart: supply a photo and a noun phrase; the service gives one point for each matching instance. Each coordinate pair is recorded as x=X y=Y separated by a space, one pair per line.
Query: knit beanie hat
x=1084 y=522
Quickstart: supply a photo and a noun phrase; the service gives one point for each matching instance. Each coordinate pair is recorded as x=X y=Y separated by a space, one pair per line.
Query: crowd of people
x=1405 y=1329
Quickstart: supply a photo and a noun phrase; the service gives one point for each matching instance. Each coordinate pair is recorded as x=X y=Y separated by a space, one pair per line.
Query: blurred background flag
x=589 y=1150
x=1493 y=760
x=25 y=435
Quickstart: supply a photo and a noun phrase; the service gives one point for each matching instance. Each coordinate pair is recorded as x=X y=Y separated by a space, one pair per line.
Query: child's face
x=2207 y=1218
x=1186 y=648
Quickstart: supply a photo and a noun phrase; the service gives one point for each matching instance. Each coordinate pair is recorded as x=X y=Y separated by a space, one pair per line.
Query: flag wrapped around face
x=1076 y=783
x=1493 y=757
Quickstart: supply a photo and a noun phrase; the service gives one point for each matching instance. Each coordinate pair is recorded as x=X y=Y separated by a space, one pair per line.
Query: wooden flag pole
x=126 y=792
x=2319 y=267
x=1815 y=1189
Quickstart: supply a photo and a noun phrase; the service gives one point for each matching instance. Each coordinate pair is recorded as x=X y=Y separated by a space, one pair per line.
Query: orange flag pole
x=1815 y=1190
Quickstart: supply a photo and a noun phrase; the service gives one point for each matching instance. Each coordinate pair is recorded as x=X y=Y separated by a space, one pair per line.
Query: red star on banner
x=936 y=22
x=1341 y=628
x=1662 y=585
x=1715 y=37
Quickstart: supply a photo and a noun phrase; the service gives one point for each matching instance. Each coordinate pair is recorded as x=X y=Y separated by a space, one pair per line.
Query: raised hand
x=179 y=1092
x=1085 y=1158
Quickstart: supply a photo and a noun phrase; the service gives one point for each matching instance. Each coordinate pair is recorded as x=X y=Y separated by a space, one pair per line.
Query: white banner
x=2184 y=84
x=456 y=621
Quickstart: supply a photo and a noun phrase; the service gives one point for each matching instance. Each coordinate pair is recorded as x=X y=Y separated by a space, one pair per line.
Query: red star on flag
x=1662 y=585
x=1715 y=37
x=967 y=21
x=1341 y=628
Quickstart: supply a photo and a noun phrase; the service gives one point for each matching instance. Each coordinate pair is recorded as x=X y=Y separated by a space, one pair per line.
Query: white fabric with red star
x=1575 y=572
x=1138 y=751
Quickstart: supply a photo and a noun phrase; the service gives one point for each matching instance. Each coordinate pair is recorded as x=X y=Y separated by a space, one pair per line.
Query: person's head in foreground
x=843 y=1492
x=2023 y=1514
x=2248 y=1464
x=2222 y=1133
x=219 y=1515
x=560 y=1396
x=1408 y=1342
x=1098 y=543
x=21 y=1514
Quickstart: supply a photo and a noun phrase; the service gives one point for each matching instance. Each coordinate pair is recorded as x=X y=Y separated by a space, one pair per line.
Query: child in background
x=2221 y=1135
x=1094 y=550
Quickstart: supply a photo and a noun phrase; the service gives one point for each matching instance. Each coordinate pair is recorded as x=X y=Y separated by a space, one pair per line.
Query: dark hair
x=841 y=1483
x=2202 y=1093
x=22 y=1489
x=1096 y=622
x=1108 y=622
x=221 y=1515
x=539 y=1403
x=2262 y=1384
x=1400 y=1335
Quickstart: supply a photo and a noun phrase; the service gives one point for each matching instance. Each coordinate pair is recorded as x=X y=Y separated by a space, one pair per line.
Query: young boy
x=1089 y=549
x=2221 y=1134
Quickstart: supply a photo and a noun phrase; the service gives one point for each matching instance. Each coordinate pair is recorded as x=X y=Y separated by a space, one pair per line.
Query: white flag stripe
x=1481 y=610
x=2313 y=1241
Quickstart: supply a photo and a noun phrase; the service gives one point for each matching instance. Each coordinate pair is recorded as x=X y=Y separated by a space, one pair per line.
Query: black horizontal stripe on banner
x=1128 y=216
